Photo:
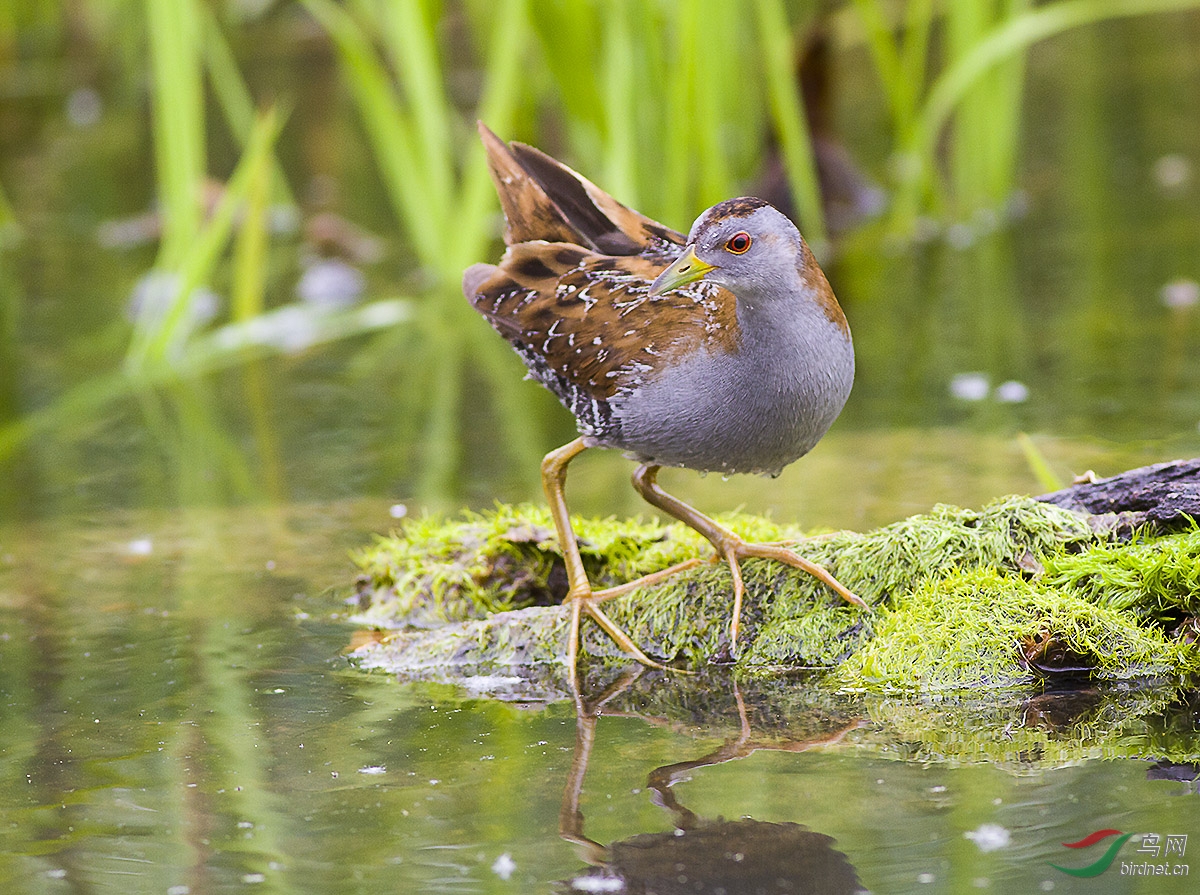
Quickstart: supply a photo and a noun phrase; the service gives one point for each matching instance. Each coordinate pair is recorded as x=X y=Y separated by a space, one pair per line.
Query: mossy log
x=1100 y=581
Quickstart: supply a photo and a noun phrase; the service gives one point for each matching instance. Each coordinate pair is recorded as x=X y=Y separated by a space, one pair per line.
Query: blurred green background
x=232 y=346
x=233 y=233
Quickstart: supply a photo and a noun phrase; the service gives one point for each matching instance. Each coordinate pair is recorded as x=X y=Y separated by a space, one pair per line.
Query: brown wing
x=589 y=319
x=544 y=199
x=572 y=292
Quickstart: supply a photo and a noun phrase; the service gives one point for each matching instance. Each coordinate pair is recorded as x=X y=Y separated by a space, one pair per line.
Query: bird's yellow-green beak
x=686 y=269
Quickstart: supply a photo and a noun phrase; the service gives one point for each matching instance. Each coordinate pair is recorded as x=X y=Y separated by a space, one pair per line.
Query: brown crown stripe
x=736 y=208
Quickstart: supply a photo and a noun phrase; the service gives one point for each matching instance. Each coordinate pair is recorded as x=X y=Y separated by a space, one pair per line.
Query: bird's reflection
x=700 y=855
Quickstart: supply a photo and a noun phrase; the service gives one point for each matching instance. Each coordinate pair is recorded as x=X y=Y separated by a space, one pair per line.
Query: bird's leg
x=729 y=546
x=579 y=590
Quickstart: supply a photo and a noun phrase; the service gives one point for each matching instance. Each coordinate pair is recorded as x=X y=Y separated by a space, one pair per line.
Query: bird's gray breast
x=754 y=410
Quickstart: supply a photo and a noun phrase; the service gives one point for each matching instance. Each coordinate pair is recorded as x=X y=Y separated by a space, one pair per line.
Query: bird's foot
x=738 y=550
x=733 y=550
x=589 y=603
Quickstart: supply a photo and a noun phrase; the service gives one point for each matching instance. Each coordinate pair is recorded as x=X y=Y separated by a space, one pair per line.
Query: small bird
x=722 y=352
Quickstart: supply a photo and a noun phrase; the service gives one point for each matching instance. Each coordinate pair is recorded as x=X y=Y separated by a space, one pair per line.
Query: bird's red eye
x=739 y=243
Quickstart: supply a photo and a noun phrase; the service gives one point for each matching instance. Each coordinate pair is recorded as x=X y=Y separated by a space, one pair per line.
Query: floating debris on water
x=970 y=386
x=504 y=866
x=1012 y=392
x=1172 y=171
x=989 y=837
x=1181 y=293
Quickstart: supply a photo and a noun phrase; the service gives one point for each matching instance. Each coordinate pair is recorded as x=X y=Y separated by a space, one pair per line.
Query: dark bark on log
x=1165 y=496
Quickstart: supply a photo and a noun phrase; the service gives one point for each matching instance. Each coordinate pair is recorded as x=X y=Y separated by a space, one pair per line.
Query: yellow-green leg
x=579 y=592
x=729 y=546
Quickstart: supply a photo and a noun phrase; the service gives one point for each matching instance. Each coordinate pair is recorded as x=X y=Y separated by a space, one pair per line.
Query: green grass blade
x=250 y=246
x=412 y=48
x=388 y=128
x=161 y=339
x=219 y=349
x=618 y=63
x=885 y=53
x=787 y=114
x=918 y=26
x=10 y=227
x=566 y=31
x=720 y=102
x=1038 y=464
x=178 y=122
x=268 y=334
x=680 y=117
x=965 y=25
x=1009 y=92
x=1013 y=37
x=234 y=98
x=497 y=108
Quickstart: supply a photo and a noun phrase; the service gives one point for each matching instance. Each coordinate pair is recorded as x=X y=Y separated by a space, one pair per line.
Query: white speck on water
x=969 y=386
x=179 y=890
x=489 y=683
x=1181 y=293
x=925 y=877
x=504 y=866
x=84 y=107
x=140 y=547
x=373 y=770
x=57 y=873
x=598 y=884
x=254 y=878
x=1012 y=392
x=1172 y=171
x=397 y=511
x=989 y=837
x=981 y=882
x=1047 y=885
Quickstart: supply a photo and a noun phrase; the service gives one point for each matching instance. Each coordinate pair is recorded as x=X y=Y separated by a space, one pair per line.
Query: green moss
x=967 y=629
x=959 y=595
x=444 y=570
x=1156 y=578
